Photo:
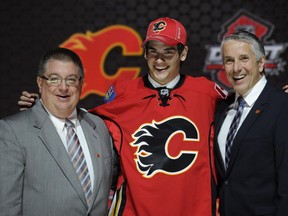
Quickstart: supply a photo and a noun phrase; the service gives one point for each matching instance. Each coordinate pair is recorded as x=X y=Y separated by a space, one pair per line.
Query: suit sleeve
x=281 y=161
x=11 y=171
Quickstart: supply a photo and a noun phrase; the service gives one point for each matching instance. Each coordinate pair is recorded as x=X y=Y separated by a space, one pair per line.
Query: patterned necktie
x=78 y=159
x=233 y=129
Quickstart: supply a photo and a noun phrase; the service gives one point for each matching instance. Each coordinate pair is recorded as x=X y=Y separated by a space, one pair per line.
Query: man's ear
x=184 y=53
x=39 y=83
x=145 y=56
x=262 y=64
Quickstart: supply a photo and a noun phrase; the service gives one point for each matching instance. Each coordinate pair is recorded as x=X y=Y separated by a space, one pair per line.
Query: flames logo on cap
x=159 y=26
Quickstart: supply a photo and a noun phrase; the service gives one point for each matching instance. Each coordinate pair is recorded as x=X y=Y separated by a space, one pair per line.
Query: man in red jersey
x=161 y=124
x=162 y=129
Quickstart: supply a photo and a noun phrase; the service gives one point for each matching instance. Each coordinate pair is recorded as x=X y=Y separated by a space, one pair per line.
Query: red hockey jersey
x=163 y=139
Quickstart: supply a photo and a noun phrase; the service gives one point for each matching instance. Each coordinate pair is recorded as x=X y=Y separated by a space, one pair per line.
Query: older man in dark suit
x=251 y=135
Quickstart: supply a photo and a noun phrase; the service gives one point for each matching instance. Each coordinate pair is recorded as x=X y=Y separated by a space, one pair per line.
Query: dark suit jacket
x=256 y=182
x=36 y=173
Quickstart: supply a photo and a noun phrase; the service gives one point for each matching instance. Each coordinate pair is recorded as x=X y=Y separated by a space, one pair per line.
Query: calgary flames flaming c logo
x=93 y=49
x=154 y=141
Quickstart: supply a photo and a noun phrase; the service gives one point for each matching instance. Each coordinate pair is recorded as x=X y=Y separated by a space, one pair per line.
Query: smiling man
x=163 y=130
x=48 y=167
x=251 y=134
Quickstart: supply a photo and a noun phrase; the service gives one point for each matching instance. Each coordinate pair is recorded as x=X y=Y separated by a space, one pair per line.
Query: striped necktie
x=78 y=159
x=233 y=129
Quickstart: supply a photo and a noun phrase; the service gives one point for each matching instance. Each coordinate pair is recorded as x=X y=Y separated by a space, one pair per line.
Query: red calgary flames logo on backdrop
x=93 y=49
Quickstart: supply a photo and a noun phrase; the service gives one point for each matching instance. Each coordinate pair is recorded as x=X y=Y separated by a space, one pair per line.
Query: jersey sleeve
x=116 y=90
x=205 y=86
x=213 y=89
x=220 y=92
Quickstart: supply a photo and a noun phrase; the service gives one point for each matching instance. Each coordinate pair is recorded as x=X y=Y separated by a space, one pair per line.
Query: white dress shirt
x=60 y=127
x=250 y=99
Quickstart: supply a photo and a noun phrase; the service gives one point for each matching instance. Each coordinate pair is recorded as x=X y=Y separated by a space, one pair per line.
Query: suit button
x=226 y=182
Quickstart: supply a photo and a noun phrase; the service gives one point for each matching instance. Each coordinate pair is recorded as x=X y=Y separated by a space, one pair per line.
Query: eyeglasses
x=56 y=80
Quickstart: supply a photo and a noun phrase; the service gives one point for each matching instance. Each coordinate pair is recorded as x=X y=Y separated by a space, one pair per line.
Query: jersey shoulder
x=205 y=86
x=122 y=87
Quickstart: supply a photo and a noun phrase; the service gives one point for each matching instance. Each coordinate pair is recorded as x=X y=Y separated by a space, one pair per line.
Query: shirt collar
x=73 y=117
x=251 y=96
x=169 y=85
x=60 y=123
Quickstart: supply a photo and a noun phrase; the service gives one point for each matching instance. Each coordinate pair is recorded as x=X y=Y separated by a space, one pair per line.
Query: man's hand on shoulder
x=27 y=100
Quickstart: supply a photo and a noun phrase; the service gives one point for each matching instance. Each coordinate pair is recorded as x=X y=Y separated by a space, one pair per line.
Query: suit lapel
x=53 y=143
x=252 y=116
